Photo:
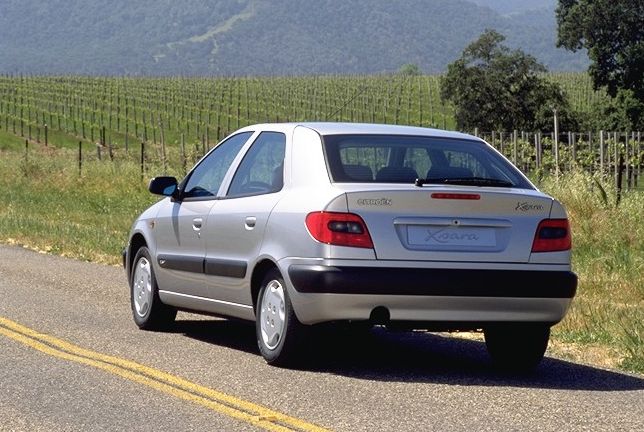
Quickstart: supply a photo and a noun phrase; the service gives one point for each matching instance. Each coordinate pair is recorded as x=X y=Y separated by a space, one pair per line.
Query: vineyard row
x=187 y=116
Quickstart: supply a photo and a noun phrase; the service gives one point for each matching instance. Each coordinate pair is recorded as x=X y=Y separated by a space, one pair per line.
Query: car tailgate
x=459 y=224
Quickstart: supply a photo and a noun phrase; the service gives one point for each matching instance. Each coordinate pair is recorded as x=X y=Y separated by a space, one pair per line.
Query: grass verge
x=608 y=257
x=49 y=207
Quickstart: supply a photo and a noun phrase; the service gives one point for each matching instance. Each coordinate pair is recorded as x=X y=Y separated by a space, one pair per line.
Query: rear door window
x=262 y=169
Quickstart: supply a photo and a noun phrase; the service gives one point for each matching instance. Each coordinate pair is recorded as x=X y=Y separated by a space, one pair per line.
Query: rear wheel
x=279 y=333
x=147 y=309
x=517 y=347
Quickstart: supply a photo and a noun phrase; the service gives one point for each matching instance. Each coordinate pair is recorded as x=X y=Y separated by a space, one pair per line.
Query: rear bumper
x=449 y=298
x=432 y=282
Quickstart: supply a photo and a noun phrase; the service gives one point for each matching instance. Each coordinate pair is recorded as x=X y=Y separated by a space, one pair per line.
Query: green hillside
x=257 y=37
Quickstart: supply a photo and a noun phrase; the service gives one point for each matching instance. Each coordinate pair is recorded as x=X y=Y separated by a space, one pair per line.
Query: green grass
x=608 y=256
x=48 y=206
x=9 y=141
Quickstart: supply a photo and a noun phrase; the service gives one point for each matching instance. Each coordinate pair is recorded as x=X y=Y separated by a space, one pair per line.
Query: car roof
x=331 y=128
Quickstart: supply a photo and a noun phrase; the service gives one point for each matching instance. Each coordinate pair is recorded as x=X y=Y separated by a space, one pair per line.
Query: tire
x=279 y=333
x=148 y=311
x=517 y=347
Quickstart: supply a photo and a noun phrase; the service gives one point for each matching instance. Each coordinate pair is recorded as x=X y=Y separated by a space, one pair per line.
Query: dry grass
x=607 y=315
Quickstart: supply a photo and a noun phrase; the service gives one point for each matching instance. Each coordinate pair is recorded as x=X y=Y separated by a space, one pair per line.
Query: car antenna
x=362 y=89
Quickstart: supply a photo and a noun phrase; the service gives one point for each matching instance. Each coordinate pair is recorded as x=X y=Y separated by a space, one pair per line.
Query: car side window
x=262 y=169
x=206 y=178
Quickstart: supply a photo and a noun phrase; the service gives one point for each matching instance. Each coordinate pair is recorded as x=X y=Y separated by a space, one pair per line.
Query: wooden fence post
x=163 y=152
x=142 y=159
x=591 y=151
x=601 y=152
x=620 y=169
x=183 y=153
x=616 y=161
x=572 y=141
x=515 y=137
x=540 y=143
x=80 y=158
x=556 y=144
x=639 y=157
x=110 y=149
x=537 y=162
x=627 y=161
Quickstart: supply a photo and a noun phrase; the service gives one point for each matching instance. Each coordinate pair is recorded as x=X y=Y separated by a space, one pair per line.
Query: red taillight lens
x=552 y=235
x=340 y=229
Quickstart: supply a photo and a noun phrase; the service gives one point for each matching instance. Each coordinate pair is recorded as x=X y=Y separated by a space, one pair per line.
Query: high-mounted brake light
x=456 y=196
x=552 y=235
x=340 y=229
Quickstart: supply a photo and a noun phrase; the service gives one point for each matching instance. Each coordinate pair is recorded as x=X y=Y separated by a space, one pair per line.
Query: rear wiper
x=468 y=181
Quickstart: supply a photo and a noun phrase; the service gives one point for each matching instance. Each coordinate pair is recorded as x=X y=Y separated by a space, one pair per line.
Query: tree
x=623 y=113
x=410 y=69
x=495 y=88
x=613 y=33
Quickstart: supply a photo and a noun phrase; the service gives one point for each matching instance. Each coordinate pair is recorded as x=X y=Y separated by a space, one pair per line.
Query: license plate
x=450 y=236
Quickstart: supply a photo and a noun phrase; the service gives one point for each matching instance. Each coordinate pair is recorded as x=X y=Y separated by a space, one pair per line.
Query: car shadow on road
x=234 y=334
x=381 y=355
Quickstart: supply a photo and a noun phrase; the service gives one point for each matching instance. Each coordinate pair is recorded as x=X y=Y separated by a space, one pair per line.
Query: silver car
x=291 y=225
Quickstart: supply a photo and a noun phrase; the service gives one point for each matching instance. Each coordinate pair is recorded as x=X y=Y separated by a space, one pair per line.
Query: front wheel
x=147 y=309
x=517 y=347
x=279 y=333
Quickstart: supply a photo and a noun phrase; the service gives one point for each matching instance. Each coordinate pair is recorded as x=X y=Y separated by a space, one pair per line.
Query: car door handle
x=197 y=223
x=250 y=222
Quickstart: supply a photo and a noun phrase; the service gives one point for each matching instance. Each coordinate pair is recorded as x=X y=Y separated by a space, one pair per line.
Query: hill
x=507 y=7
x=258 y=37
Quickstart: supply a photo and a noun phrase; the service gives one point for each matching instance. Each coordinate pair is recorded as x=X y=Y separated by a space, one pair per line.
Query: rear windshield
x=407 y=159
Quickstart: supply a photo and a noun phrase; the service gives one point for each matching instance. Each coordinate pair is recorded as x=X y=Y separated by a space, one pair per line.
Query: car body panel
x=180 y=246
x=234 y=236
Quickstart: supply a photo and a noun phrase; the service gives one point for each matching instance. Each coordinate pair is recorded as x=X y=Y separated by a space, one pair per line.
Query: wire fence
x=610 y=154
x=607 y=153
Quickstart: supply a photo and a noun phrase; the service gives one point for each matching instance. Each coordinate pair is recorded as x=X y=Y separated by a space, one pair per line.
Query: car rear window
x=404 y=159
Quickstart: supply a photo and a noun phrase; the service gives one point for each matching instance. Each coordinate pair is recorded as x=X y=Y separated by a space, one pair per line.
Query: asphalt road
x=380 y=381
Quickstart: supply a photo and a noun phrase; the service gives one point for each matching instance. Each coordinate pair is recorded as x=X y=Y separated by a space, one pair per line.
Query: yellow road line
x=223 y=403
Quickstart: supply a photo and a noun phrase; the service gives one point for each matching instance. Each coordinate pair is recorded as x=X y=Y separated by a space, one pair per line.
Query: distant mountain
x=260 y=37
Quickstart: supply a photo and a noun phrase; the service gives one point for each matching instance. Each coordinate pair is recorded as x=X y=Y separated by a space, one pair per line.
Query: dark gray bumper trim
x=433 y=282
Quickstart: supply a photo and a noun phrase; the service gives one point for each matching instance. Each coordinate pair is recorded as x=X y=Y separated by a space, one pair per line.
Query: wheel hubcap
x=142 y=287
x=272 y=316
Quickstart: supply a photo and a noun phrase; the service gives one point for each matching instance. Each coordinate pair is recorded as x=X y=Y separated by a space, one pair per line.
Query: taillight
x=340 y=229
x=552 y=235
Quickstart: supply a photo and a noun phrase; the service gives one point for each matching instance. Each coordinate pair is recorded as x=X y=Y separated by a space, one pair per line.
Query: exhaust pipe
x=379 y=316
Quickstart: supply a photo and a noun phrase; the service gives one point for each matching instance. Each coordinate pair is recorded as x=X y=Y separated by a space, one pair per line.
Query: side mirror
x=165 y=186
